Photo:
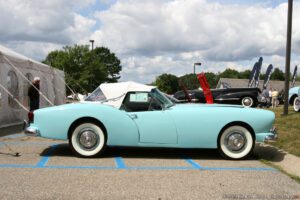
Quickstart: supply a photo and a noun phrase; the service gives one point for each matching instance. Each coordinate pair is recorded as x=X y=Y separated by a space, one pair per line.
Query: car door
x=154 y=124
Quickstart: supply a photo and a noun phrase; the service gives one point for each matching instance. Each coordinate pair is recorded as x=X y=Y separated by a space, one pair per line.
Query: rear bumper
x=29 y=130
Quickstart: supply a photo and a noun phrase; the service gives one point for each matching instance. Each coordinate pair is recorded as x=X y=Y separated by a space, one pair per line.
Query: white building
x=14 y=68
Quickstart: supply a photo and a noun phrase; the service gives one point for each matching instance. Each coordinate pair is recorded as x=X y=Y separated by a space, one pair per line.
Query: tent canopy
x=16 y=74
x=8 y=52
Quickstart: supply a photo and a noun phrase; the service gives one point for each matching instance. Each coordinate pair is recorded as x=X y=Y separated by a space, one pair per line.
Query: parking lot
x=46 y=169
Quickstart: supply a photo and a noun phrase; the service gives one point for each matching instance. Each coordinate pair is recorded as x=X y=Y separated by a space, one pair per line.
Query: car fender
x=55 y=122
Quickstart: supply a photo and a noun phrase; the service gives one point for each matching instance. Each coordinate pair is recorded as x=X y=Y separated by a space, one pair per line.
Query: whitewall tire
x=296 y=104
x=235 y=142
x=87 y=140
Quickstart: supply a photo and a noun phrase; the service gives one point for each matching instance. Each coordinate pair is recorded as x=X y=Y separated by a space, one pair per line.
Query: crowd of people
x=270 y=98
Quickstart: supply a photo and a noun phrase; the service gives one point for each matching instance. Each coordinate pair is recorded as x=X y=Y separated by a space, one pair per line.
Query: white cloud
x=221 y=32
x=50 y=21
x=155 y=36
x=196 y=30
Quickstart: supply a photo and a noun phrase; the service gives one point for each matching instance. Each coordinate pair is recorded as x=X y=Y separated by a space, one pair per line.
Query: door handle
x=133 y=116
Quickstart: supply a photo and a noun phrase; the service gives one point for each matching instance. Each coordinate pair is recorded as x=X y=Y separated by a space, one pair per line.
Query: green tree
x=189 y=81
x=167 y=83
x=110 y=62
x=229 y=73
x=212 y=79
x=85 y=69
x=277 y=75
x=244 y=74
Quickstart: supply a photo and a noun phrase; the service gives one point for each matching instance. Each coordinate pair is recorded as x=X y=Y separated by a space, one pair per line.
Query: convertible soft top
x=115 y=92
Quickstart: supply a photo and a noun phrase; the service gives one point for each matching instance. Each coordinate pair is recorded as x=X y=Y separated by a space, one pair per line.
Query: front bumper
x=269 y=136
x=30 y=131
x=273 y=136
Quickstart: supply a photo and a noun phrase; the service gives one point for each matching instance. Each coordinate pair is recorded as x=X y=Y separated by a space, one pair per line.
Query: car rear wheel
x=235 y=142
x=87 y=140
x=297 y=104
x=247 y=102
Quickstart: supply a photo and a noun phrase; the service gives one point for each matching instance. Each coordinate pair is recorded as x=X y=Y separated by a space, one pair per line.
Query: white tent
x=15 y=71
x=115 y=92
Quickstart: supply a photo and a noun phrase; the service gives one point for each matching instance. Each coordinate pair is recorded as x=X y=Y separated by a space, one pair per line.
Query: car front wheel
x=235 y=142
x=87 y=140
x=297 y=104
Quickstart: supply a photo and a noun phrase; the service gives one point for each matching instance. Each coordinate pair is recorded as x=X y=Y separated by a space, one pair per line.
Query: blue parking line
x=135 y=168
x=120 y=163
x=16 y=166
x=161 y=168
x=14 y=136
x=193 y=163
x=80 y=167
x=31 y=143
x=44 y=160
x=238 y=169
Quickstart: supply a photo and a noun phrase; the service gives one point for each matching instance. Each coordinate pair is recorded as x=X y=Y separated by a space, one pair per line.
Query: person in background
x=270 y=97
x=274 y=98
x=265 y=98
x=34 y=94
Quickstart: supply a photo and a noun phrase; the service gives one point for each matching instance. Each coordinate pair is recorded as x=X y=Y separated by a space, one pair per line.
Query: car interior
x=140 y=101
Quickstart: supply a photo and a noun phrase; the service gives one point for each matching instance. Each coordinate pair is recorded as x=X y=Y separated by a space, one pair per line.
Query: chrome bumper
x=30 y=131
x=273 y=136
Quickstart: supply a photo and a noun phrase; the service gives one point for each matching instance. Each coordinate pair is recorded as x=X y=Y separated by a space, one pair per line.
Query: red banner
x=205 y=87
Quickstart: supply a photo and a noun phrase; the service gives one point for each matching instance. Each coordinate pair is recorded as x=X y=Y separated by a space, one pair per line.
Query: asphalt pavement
x=35 y=168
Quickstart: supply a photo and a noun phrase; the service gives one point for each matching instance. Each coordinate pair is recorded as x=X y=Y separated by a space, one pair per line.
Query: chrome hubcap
x=88 y=139
x=235 y=141
x=247 y=101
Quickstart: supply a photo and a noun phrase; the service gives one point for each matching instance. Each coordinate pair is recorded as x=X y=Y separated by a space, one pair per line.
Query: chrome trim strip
x=227 y=99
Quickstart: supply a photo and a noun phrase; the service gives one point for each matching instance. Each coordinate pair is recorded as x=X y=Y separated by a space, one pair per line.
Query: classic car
x=294 y=98
x=247 y=97
x=137 y=115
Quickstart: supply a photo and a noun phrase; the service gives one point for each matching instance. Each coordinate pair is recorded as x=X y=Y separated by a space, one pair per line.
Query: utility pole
x=195 y=66
x=92 y=41
x=288 y=57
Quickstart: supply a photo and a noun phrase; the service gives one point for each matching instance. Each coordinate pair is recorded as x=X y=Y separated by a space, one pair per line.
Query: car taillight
x=30 y=117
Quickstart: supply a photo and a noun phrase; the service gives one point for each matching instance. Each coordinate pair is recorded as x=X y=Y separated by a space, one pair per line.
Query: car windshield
x=97 y=95
x=161 y=97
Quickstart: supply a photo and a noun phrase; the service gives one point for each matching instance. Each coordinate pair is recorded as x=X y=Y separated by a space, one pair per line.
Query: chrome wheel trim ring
x=88 y=139
x=235 y=141
x=297 y=104
x=247 y=101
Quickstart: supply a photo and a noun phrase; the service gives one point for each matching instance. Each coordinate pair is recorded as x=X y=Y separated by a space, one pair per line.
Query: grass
x=288 y=128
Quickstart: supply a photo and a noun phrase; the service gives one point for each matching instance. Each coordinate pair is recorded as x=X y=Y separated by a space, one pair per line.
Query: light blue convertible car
x=136 y=115
x=294 y=98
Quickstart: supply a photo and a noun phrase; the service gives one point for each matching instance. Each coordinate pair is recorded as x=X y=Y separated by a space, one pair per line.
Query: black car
x=247 y=97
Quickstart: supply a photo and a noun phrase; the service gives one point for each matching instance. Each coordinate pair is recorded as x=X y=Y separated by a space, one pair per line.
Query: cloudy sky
x=156 y=36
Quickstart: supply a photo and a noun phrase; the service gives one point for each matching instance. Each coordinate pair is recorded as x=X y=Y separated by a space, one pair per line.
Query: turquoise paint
x=155 y=127
x=181 y=126
x=293 y=91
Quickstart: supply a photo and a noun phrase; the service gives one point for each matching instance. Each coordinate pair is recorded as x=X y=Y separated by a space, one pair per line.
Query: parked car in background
x=294 y=98
x=247 y=97
x=132 y=114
